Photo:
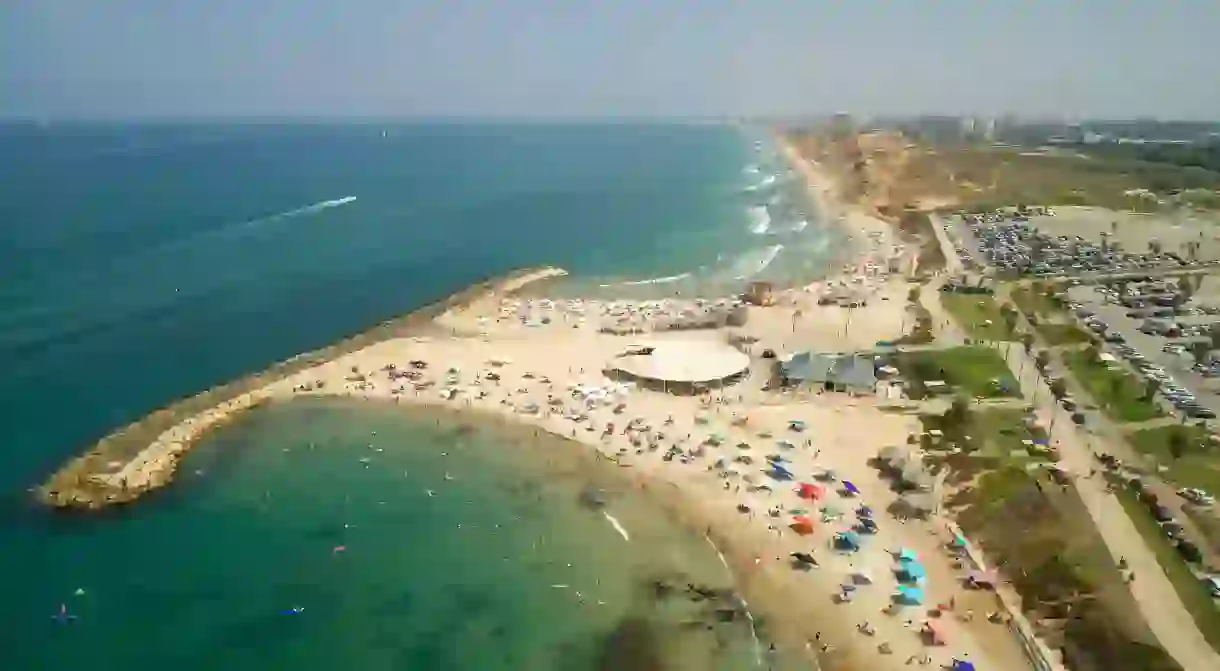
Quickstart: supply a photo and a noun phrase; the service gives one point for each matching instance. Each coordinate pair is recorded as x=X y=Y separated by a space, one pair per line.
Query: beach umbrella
x=905 y=554
x=786 y=445
x=908 y=596
x=779 y=458
x=911 y=572
x=867 y=526
x=801 y=525
x=831 y=510
x=850 y=488
x=962 y=665
x=847 y=540
x=804 y=557
x=796 y=425
x=864 y=511
x=809 y=491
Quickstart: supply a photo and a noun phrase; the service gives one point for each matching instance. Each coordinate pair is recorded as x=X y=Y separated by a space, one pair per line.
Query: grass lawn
x=973 y=311
x=1031 y=302
x=1193 y=593
x=976 y=371
x=1062 y=334
x=1034 y=303
x=1199 y=463
x=1117 y=392
x=998 y=433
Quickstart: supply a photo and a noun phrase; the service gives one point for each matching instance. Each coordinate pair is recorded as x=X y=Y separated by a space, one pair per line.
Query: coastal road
x=1158 y=602
x=1155 y=596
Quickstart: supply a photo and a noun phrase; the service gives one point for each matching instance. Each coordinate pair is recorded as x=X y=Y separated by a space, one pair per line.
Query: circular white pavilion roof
x=684 y=361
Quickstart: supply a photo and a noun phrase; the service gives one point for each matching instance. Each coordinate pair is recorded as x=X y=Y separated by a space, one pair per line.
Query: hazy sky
x=82 y=58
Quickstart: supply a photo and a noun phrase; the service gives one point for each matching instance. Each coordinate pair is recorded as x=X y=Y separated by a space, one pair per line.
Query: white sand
x=550 y=377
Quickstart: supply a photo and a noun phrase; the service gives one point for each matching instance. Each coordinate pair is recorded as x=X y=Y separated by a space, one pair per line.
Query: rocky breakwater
x=144 y=455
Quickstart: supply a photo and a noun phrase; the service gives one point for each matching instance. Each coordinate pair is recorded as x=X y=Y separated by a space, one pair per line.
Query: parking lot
x=1185 y=389
x=1074 y=241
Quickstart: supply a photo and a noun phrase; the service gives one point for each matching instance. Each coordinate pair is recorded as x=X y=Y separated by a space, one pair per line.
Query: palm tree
x=1177 y=443
x=1151 y=387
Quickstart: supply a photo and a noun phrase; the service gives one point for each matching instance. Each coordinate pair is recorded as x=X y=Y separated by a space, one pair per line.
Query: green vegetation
x=1193 y=593
x=1046 y=313
x=976 y=371
x=997 y=433
x=974 y=311
x=1060 y=567
x=1062 y=334
x=1185 y=449
x=990 y=177
x=1120 y=394
x=918 y=225
x=1039 y=298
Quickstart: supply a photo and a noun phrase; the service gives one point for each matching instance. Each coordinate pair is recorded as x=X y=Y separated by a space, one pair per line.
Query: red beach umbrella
x=802 y=525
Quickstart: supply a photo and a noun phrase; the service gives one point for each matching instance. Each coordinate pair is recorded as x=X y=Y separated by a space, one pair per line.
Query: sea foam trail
x=654 y=280
x=617 y=527
x=745 y=604
x=760 y=219
x=308 y=209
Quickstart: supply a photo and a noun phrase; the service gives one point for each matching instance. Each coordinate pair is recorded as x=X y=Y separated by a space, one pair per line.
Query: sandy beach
x=543 y=363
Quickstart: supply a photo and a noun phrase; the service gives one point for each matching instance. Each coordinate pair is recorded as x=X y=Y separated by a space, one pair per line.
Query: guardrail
x=1040 y=656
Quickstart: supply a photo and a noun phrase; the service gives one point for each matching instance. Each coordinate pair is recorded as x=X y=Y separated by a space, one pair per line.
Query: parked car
x=1162 y=513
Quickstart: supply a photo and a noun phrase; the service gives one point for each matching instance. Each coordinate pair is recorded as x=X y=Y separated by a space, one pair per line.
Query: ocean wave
x=754 y=262
x=800 y=225
x=760 y=219
x=764 y=184
x=654 y=280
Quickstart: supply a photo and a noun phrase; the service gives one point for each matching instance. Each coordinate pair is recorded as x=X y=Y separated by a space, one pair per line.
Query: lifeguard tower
x=760 y=293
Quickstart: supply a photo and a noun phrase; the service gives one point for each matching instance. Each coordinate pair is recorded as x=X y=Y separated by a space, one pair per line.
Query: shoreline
x=541 y=364
x=83 y=481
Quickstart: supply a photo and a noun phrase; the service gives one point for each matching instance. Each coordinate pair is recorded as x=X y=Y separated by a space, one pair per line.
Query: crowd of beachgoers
x=787 y=488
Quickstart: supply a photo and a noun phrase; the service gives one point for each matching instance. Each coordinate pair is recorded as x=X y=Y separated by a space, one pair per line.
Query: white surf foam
x=750 y=170
x=760 y=219
x=800 y=225
x=765 y=183
x=754 y=262
x=300 y=211
x=654 y=280
x=745 y=604
x=617 y=527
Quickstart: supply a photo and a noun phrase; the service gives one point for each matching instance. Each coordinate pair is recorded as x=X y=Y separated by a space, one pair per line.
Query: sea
x=142 y=262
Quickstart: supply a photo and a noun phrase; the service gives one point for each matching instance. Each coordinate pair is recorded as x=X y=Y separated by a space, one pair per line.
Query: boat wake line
x=308 y=209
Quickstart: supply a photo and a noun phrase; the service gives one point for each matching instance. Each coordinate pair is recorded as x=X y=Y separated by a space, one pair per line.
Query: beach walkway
x=1155 y=596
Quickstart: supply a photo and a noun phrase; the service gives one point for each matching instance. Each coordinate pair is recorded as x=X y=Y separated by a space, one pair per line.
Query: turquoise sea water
x=142 y=263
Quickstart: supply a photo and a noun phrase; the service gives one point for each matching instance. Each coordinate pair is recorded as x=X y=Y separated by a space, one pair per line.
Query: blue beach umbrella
x=911 y=572
x=909 y=596
x=905 y=555
x=962 y=665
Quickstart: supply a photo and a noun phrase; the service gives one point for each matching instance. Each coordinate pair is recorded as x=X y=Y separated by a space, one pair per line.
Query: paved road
x=1158 y=601
x=1177 y=365
x=1155 y=596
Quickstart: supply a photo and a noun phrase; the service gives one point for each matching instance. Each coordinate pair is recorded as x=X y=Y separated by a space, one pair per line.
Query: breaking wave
x=754 y=262
x=765 y=183
x=654 y=280
x=760 y=219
